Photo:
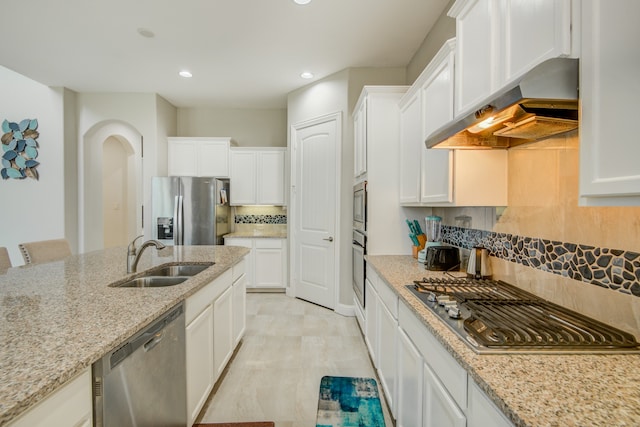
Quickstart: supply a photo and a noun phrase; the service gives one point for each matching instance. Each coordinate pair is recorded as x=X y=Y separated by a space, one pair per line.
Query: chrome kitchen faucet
x=133 y=253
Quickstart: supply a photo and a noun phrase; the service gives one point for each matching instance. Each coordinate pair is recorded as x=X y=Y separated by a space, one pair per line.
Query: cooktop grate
x=500 y=318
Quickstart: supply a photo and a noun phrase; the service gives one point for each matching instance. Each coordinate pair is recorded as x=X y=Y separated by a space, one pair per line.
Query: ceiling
x=242 y=53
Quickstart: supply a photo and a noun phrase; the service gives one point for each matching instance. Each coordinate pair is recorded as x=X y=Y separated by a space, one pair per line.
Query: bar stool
x=45 y=251
x=5 y=261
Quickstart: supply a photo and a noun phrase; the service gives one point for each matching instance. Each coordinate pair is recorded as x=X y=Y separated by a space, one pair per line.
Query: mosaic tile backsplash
x=260 y=219
x=613 y=269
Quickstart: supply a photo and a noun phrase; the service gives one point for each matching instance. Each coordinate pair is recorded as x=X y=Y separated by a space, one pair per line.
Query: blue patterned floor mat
x=349 y=402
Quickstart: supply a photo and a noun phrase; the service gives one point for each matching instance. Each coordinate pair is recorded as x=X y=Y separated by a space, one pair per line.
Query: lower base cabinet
x=200 y=371
x=267 y=262
x=215 y=323
x=410 y=383
x=223 y=342
x=439 y=408
x=423 y=384
x=69 y=406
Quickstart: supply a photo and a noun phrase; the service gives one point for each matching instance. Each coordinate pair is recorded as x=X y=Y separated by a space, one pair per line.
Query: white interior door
x=315 y=198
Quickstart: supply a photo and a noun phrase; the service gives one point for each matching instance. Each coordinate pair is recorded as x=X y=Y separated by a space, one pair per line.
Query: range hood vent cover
x=541 y=104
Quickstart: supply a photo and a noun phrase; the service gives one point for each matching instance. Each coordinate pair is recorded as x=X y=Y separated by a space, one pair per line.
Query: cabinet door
x=371 y=321
x=183 y=158
x=222 y=331
x=200 y=373
x=440 y=410
x=243 y=178
x=269 y=263
x=410 y=383
x=609 y=70
x=360 y=140
x=482 y=412
x=475 y=54
x=387 y=357
x=411 y=148
x=549 y=20
x=250 y=258
x=239 y=307
x=68 y=406
x=213 y=159
x=270 y=180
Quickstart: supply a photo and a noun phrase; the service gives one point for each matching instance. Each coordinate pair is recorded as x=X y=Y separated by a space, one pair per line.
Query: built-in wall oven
x=359 y=246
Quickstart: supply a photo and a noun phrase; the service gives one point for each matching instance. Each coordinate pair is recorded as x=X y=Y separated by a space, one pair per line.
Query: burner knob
x=454 y=312
x=443 y=299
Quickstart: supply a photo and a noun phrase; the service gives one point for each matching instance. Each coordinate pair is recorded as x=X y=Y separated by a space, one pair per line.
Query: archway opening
x=116 y=182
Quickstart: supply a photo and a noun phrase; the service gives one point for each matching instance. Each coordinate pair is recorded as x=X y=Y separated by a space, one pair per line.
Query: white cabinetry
x=386 y=230
x=441 y=177
x=360 y=140
x=609 y=70
x=381 y=334
x=239 y=301
x=500 y=40
x=410 y=383
x=257 y=176
x=481 y=411
x=439 y=409
x=267 y=262
x=69 y=406
x=223 y=340
x=198 y=156
x=200 y=372
x=214 y=325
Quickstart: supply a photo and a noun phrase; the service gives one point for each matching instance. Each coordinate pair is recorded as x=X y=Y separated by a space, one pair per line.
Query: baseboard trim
x=345 y=310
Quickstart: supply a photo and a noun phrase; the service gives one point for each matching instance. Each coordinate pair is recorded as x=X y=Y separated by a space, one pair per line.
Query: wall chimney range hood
x=542 y=103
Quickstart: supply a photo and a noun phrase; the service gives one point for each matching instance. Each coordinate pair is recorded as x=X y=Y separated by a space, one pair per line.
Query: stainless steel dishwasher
x=143 y=382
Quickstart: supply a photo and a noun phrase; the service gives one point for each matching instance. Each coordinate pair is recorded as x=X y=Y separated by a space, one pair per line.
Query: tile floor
x=289 y=345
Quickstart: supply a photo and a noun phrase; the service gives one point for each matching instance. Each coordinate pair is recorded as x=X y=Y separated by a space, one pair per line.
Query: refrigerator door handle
x=178 y=238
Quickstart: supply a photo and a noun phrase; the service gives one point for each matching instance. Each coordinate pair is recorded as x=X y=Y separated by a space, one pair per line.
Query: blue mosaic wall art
x=19 y=149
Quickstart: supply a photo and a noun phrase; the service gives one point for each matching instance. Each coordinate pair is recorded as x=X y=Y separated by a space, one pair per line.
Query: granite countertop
x=57 y=318
x=272 y=234
x=532 y=389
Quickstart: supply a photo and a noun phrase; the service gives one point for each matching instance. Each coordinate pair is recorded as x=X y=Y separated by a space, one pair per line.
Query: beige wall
x=443 y=30
x=246 y=127
x=543 y=203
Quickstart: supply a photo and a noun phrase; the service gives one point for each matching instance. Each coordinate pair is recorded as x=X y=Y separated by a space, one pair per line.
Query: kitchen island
x=60 y=317
x=530 y=389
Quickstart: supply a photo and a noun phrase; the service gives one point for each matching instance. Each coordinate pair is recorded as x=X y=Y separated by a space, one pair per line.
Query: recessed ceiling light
x=306 y=75
x=302 y=1
x=186 y=74
x=144 y=32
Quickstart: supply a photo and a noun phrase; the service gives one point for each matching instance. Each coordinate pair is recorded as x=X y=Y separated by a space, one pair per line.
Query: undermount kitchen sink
x=166 y=275
x=181 y=270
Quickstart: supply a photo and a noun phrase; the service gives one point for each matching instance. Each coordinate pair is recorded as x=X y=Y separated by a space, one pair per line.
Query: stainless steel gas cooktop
x=496 y=317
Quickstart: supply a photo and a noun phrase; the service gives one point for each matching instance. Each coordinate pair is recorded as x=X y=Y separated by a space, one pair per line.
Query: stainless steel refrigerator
x=190 y=210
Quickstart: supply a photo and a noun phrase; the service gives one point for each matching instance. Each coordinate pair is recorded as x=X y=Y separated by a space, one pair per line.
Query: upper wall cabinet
x=360 y=140
x=609 y=92
x=500 y=40
x=257 y=176
x=198 y=156
x=441 y=177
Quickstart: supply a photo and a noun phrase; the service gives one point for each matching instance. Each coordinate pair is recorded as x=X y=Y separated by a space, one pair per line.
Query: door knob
x=329 y=239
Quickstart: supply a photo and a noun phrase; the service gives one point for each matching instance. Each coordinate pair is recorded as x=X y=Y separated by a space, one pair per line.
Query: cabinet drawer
x=439 y=360
x=388 y=298
x=201 y=299
x=266 y=243
x=239 y=269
